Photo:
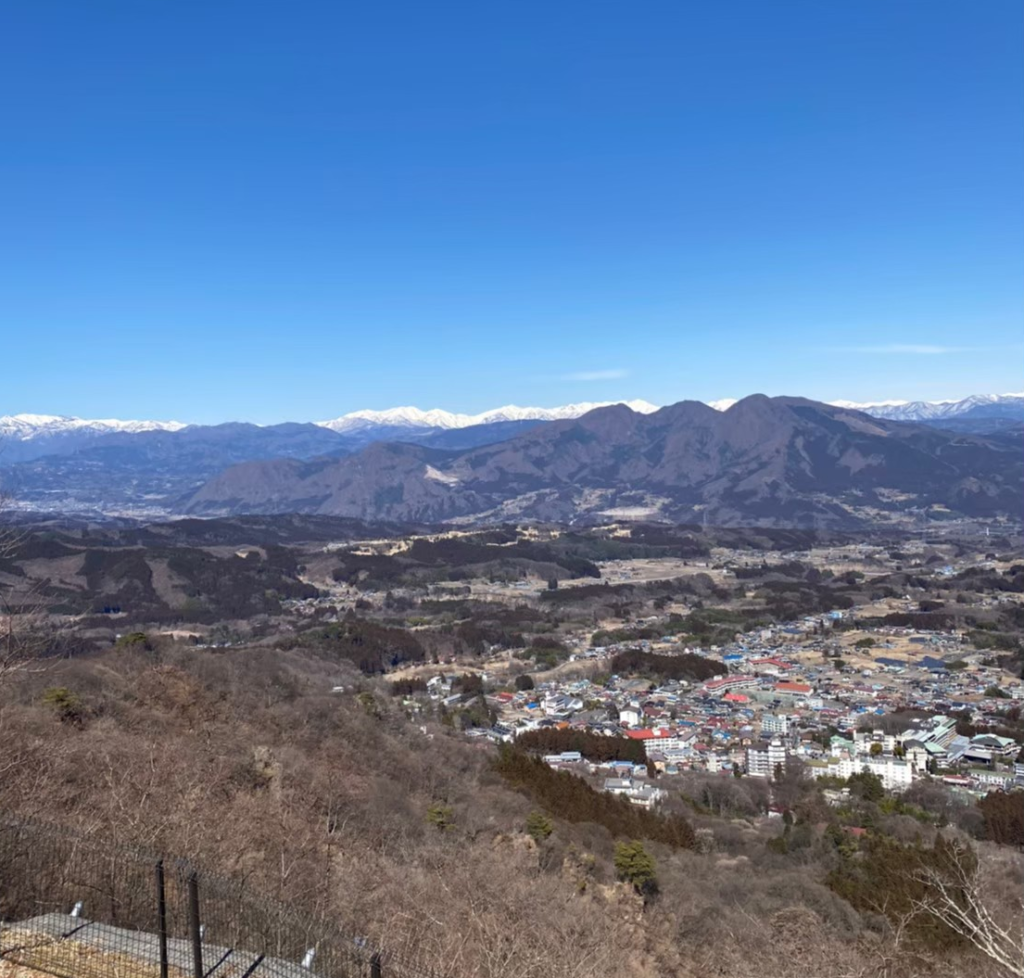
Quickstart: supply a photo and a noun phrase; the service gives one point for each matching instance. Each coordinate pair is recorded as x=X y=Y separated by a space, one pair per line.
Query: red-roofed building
x=730 y=683
x=736 y=698
x=797 y=689
x=661 y=739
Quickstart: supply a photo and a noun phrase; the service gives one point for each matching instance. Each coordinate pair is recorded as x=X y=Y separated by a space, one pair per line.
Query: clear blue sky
x=274 y=211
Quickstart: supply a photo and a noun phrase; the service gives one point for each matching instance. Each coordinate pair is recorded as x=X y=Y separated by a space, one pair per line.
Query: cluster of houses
x=775 y=703
x=620 y=777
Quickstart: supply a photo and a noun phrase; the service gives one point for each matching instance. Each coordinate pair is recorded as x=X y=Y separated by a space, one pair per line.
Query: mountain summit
x=412 y=417
x=71 y=465
x=768 y=461
x=976 y=406
x=60 y=434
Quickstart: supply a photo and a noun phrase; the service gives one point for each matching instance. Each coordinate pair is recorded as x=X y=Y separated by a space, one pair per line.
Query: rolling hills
x=728 y=461
x=767 y=461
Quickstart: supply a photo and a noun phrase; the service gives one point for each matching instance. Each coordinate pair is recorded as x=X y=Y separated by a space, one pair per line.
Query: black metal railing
x=75 y=906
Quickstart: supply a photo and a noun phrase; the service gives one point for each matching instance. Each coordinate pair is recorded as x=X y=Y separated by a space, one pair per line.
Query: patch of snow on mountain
x=929 y=410
x=25 y=427
x=438 y=476
x=412 y=417
x=864 y=406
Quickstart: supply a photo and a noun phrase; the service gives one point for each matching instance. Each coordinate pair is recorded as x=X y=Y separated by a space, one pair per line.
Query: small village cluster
x=782 y=698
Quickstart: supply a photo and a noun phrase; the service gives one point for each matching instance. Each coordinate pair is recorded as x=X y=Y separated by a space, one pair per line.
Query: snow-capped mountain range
x=59 y=429
x=24 y=427
x=72 y=465
x=978 y=404
x=412 y=417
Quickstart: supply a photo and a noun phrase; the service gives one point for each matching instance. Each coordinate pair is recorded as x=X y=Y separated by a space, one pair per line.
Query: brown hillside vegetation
x=247 y=762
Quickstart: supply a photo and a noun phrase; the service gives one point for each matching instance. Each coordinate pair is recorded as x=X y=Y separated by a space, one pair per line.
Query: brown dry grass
x=41 y=954
x=8 y=969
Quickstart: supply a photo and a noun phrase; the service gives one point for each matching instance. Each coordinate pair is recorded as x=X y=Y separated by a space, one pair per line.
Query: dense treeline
x=924 y=620
x=457 y=559
x=594 y=747
x=372 y=647
x=791 y=568
x=691 y=668
x=1004 y=817
x=587 y=591
x=461 y=553
x=213 y=587
x=34 y=546
x=597 y=547
x=700 y=586
x=407 y=687
x=371 y=570
x=122 y=578
x=788 y=600
x=719 y=626
x=699 y=627
x=568 y=797
x=240 y=586
x=980 y=579
x=738 y=537
x=478 y=637
x=884 y=876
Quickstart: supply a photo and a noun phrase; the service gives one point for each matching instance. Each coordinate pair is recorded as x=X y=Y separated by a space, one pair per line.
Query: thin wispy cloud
x=912 y=349
x=596 y=375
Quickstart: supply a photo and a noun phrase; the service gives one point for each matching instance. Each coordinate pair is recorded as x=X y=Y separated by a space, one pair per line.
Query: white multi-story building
x=763 y=760
x=775 y=723
x=894 y=773
x=941 y=732
x=730 y=684
x=864 y=740
x=661 y=739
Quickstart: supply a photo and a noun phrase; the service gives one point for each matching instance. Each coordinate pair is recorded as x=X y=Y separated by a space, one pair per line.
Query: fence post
x=193 y=926
x=375 y=971
x=161 y=916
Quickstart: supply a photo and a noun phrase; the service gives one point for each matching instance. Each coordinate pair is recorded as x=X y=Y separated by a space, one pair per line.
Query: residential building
x=775 y=723
x=763 y=759
x=660 y=739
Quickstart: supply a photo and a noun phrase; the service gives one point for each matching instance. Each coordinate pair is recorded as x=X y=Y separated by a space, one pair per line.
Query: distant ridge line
x=25 y=427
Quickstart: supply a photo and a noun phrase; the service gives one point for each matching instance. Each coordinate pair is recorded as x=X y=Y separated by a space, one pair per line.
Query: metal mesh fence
x=76 y=907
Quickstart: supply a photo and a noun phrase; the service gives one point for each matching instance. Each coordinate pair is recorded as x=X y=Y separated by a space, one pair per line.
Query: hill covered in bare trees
x=291 y=769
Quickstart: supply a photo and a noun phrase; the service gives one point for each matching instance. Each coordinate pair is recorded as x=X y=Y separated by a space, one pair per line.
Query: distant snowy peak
x=412 y=417
x=401 y=417
x=1009 y=404
x=42 y=430
x=26 y=427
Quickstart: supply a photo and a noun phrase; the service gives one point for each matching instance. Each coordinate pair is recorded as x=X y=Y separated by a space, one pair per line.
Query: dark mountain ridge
x=767 y=461
x=124 y=470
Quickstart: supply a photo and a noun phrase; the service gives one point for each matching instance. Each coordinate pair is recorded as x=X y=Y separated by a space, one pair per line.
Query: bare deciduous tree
x=959 y=897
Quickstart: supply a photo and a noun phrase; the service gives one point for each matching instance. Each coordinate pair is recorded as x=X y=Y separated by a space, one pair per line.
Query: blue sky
x=292 y=210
